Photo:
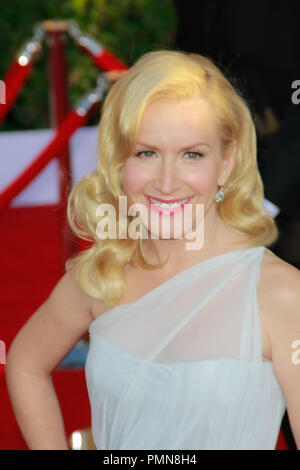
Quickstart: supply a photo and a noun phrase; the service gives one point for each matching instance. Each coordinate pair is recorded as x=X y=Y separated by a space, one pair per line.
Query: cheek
x=134 y=178
x=202 y=182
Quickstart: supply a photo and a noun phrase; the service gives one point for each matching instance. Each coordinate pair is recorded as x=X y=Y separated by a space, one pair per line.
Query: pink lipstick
x=161 y=206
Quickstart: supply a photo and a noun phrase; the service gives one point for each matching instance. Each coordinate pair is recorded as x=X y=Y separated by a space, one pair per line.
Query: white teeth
x=164 y=205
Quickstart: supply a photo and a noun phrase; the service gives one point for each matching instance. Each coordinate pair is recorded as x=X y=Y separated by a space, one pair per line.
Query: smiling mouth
x=168 y=204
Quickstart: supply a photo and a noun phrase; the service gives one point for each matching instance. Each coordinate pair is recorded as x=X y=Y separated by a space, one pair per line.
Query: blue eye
x=195 y=155
x=145 y=153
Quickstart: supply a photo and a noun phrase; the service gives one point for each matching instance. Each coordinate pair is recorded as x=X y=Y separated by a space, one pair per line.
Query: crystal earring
x=220 y=195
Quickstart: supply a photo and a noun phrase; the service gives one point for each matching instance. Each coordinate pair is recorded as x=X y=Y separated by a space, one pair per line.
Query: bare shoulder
x=68 y=302
x=279 y=281
x=279 y=303
x=70 y=283
x=90 y=306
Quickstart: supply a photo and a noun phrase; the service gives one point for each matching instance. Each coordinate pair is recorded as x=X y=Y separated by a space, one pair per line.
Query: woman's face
x=177 y=156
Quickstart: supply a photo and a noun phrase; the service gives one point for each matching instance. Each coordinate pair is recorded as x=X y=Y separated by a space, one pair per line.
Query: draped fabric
x=181 y=368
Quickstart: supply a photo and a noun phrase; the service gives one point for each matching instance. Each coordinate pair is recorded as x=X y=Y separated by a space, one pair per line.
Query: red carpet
x=31 y=266
x=71 y=391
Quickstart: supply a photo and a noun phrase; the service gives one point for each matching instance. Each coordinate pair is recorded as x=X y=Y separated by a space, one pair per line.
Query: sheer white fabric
x=181 y=368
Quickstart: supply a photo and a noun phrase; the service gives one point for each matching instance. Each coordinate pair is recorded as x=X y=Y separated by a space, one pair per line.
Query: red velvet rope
x=17 y=75
x=107 y=61
x=70 y=124
x=14 y=80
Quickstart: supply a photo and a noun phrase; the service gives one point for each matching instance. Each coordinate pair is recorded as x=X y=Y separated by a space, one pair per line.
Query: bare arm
x=283 y=304
x=49 y=334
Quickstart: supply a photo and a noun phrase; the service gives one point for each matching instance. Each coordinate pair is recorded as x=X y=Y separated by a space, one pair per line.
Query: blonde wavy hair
x=162 y=74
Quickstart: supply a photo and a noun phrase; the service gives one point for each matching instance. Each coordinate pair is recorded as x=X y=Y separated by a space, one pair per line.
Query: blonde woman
x=193 y=344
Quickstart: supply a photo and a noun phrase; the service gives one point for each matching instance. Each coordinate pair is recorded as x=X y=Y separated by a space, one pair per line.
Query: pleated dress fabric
x=181 y=368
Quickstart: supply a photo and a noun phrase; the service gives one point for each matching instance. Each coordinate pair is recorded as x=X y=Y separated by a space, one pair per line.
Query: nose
x=167 y=177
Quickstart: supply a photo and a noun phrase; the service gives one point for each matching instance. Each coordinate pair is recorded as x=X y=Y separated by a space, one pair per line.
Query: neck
x=216 y=237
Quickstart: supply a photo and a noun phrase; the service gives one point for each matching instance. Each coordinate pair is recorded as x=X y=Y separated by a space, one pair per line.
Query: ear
x=228 y=163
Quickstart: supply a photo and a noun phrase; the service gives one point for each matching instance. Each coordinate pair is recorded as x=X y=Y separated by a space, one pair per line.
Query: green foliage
x=128 y=28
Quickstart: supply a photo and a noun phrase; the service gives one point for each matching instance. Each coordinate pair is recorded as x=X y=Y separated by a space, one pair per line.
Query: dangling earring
x=220 y=195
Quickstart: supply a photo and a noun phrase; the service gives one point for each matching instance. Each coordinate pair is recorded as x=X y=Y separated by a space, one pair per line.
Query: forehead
x=178 y=119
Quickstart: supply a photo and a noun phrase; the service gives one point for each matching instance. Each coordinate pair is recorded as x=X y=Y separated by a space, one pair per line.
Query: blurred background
x=256 y=45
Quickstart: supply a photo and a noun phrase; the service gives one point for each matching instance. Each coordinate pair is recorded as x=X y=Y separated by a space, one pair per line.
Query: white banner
x=19 y=148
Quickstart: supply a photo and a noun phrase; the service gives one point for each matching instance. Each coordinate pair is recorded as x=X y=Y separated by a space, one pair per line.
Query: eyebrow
x=184 y=148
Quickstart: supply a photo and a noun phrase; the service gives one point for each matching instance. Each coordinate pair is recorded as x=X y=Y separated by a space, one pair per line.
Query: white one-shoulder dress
x=181 y=368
